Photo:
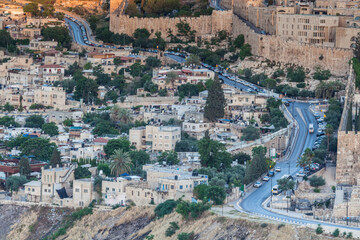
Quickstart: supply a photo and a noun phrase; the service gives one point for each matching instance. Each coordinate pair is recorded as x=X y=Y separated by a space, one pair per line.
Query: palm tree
x=328 y=132
x=120 y=162
x=306 y=158
x=171 y=77
x=122 y=115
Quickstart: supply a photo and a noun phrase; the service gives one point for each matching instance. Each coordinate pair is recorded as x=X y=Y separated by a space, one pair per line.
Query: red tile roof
x=51 y=66
x=101 y=140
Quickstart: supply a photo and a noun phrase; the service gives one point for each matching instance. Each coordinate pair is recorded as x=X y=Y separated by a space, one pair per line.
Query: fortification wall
x=203 y=25
x=286 y=51
x=348 y=162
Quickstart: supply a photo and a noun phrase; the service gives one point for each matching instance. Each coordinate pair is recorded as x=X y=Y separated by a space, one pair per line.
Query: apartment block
x=314 y=29
x=158 y=138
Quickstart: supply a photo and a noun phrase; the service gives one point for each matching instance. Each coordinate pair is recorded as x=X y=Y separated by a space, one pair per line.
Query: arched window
x=353 y=39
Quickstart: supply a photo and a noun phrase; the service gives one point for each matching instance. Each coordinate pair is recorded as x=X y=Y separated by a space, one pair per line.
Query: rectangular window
x=85 y=191
x=181 y=187
x=77 y=190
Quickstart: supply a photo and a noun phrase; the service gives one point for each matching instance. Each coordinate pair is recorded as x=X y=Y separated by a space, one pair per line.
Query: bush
x=281 y=225
x=333 y=188
x=336 y=233
x=317 y=181
x=191 y=210
x=164 y=208
x=300 y=85
x=186 y=236
x=264 y=225
x=319 y=230
x=171 y=229
x=349 y=235
x=316 y=190
x=250 y=133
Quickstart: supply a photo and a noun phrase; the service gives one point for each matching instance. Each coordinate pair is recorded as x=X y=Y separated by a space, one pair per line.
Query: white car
x=277 y=169
x=257 y=184
x=301 y=174
x=266 y=178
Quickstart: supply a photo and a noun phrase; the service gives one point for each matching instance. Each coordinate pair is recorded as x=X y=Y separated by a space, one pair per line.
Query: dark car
x=271 y=173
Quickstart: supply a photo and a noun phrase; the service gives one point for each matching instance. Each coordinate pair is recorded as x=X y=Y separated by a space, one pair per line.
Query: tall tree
x=55 y=158
x=121 y=115
x=213 y=153
x=306 y=158
x=34 y=121
x=357 y=47
x=349 y=120
x=115 y=144
x=329 y=130
x=257 y=165
x=193 y=60
x=24 y=167
x=171 y=78
x=215 y=102
x=120 y=162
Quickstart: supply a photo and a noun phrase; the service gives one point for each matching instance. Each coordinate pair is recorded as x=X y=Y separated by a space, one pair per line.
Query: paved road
x=253 y=202
x=75 y=32
x=226 y=80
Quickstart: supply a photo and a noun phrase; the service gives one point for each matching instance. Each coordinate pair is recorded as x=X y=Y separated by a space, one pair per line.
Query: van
x=276 y=190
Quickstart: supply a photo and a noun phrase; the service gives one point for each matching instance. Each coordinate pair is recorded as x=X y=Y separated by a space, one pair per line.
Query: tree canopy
x=215 y=102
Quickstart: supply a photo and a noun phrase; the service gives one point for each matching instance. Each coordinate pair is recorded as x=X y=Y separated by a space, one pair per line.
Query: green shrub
x=150 y=237
x=191 y=210
x=164 y=208
x=333 y=188
x=319 y=230
x=281 y=225
x=171 y=229
x=316 y=181
x=186 y=236
x=264 y=225
x=301 y=85
x=349 y=235
x=336 y=232
x=316 y=190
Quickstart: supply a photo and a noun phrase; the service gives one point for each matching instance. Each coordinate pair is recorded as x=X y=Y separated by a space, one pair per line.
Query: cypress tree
x=215 y=102
x=24 y=167
x=349 y=119
x=55 y=158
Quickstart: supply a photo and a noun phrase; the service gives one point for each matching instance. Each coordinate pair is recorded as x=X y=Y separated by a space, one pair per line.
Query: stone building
x=164 y=183
x=158 y=138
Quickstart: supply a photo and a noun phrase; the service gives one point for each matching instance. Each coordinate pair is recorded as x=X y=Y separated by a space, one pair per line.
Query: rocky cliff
x=21 y=222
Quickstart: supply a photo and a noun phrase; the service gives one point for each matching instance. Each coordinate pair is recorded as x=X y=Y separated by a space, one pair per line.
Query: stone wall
x=285 y=51
x=203 y=25
x=348 y=162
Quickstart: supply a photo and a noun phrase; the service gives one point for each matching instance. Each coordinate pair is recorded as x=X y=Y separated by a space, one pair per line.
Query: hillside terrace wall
x=203 y=25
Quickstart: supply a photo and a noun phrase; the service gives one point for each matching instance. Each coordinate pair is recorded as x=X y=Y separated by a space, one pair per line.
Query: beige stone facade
x=83 y=192
x=318 y=30
x=203 y=25
x=156 y=138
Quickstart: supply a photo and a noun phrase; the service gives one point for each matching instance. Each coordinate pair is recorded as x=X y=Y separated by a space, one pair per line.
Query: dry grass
x=21 y=230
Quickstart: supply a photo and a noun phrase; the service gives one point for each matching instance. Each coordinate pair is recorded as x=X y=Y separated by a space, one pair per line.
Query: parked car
x=271 y=173
x=301 y=173
x=266 y=178
x=278 y=169
x=275 y=190
x=257 y=184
